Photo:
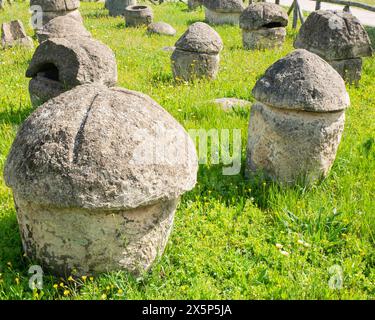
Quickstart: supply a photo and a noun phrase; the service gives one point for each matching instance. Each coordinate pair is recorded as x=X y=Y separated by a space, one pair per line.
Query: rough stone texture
x=117 y=7
x=97 y=241
x=85 y=61
x=48 y=16
x=14 y=34
x=96 y=175
x=223 y=11
x=62 y=27
x=262 y=15
x=296 y=125
x=290 y=145
x=227 y=6
x=349 y=69
x=200 y=37
x=189 y=66
x=231 y=103
x=263 y=38
x=194 y=4
x=138 y=15
x=56 y=5
x=302 y=81
x=334 y=35
x=263 y=26
x=197 y=53
x=161 y=28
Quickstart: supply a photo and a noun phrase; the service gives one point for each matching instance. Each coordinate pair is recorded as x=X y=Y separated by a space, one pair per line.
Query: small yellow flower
x=17 y=280
x=55 y=285
x=279 y=245
x=284 y=253
x=62 y=284
x=120 y=291
x=70 y=278
x=66 y=292
x=9 y=264
x=104 y=296
x=107 y=288
x=84 y=278
x=91 y=278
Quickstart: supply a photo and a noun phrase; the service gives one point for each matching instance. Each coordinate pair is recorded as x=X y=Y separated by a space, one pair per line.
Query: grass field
x=227 y=230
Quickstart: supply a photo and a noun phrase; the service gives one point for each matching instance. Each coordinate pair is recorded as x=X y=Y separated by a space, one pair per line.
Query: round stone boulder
x=339 y=38
x=62 y=27
x=296 y=124
x=197 y=53
x=161 y=28
x=117 y=7
x=96 y=175
x=85 y=60
x=263 y=26
x=138 y=15
x=223 y=11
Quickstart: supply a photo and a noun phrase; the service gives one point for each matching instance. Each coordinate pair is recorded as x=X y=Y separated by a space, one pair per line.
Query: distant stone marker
x=14 y=34
x=138 y=15
x=161 y=28
x=228 y=104
x=263 y=26
x=223 y=11
x=117 y=7
x=197 y=53
x=60 y=64
x=339 y=38
x=296 y=124
x=96 y=175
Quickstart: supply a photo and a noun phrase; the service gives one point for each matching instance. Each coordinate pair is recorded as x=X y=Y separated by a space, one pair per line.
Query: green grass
x=223 y=245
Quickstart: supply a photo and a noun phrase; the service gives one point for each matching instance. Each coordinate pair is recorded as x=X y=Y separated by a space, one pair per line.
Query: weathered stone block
x=296 y=124
x=14 y=34
x=90 y=191
x=138 y=15
x=117 y=7
x=85 y=61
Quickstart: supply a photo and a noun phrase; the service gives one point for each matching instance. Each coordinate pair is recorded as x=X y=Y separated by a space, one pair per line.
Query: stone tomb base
x=188 y=66
x=263 y=38
x=94 y=241
x=213 y=17
x=290 y=145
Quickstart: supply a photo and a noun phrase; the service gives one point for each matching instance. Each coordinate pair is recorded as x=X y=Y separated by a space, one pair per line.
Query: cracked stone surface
x=96 y=175
x=297 y=122
x=219 y=12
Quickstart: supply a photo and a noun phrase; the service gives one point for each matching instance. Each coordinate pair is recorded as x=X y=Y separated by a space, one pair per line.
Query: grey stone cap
x=261 y=14
x=228 y=6
x=95 y=147
x=62 y=27
x=334 y=35
x=302 y=81
x=200 y=37
x=56 y=5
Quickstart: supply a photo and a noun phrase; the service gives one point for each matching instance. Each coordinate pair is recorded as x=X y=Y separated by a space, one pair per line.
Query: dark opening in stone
x=49 y=71
x=138 y=7
x=272 y=25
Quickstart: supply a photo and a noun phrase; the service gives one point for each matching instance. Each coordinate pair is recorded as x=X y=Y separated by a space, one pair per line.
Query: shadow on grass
x=371 y=34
